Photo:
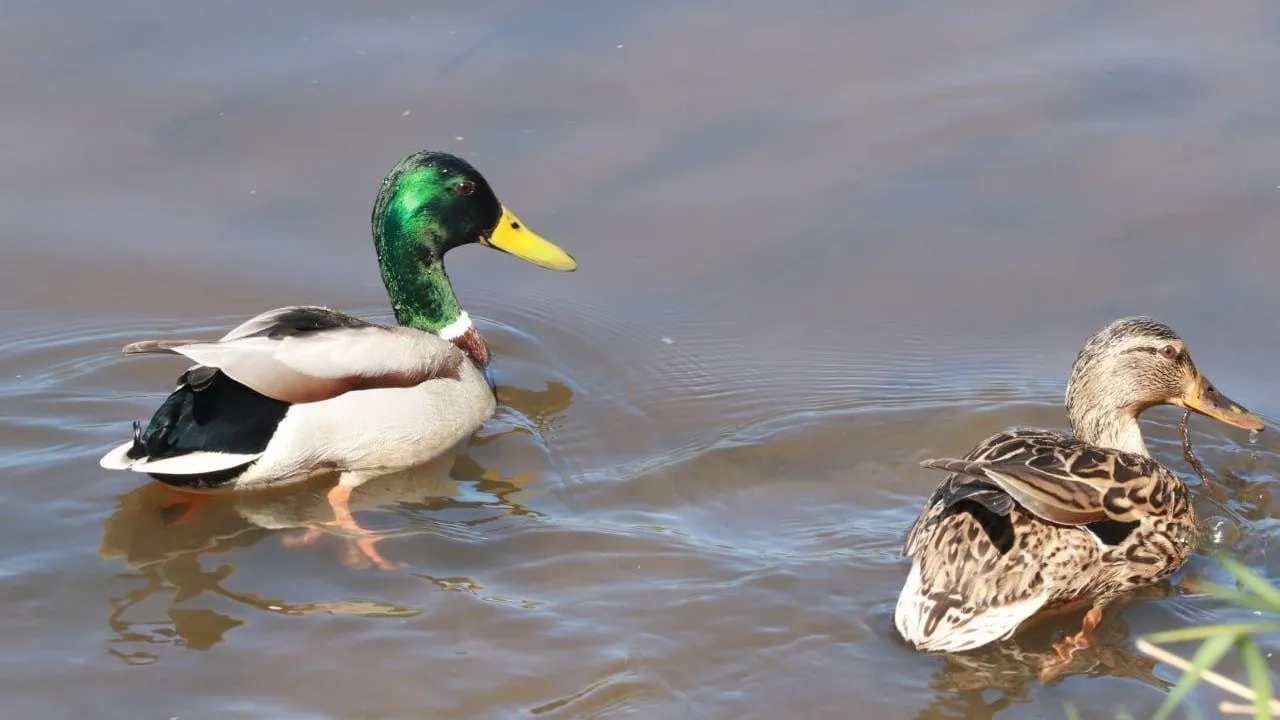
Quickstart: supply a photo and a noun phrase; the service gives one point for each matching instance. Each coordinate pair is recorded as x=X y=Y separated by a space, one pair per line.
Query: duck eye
x=464 y=188
x=1169 y=352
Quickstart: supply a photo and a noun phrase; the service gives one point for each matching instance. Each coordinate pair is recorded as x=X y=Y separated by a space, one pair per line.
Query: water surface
x=819 y=241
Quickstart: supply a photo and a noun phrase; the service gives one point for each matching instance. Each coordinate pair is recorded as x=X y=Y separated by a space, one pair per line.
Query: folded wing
x=305 y=354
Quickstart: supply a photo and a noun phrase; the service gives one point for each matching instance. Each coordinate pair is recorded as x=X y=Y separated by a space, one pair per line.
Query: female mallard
x=1037 y=518
x=302 y=390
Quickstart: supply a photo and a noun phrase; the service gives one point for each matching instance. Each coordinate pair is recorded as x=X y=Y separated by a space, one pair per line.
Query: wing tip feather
x=148 y=347
x=948 y=465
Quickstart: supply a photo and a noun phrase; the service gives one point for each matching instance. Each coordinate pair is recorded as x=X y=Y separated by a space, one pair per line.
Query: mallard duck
x=303 y=390
x=1031 y=519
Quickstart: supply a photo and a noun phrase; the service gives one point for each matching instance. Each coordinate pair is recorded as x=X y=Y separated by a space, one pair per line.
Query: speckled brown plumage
x=1030 y=519
x=1034 y=518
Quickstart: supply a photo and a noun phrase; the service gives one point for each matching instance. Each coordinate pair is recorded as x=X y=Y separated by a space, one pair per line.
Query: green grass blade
x=1210 y=652
x=1211 y=631
x=1239 y=599
x=1253 y=582
x=1255 y=665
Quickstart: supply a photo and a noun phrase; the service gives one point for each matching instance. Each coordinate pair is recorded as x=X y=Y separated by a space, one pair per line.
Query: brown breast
x=474 y=345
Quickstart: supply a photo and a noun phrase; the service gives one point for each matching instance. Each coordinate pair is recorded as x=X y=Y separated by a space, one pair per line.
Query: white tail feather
x=192 y=463
x=956 y=631
x=118 y=458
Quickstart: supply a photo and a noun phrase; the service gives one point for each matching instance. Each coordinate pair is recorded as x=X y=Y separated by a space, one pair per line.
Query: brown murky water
x=819 y=241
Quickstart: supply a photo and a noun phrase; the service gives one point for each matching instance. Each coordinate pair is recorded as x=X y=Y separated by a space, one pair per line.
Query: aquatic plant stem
x=1220 y=681
x=1196 y=465
x=1200 y=470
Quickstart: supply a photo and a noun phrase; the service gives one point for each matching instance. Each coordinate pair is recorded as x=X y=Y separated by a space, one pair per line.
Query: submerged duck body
x=303 y=390
x=1031 y=519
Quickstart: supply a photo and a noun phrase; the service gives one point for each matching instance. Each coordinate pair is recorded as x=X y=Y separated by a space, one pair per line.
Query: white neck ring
x=457 y=328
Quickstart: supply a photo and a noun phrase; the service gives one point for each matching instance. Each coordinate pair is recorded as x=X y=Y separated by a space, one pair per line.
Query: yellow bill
x=1204 y=398
x=511 y=236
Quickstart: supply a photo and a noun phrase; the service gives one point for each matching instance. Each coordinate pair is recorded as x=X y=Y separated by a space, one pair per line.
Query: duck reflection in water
x=161 y=541
x=986 y=682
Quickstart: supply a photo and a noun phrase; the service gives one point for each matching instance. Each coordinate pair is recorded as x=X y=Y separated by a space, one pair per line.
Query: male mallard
x=1035 y=518
x=302 y=390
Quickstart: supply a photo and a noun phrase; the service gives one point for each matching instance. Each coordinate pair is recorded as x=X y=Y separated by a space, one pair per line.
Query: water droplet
x=667 y=341
x=1253 y=437
x=1222 y=532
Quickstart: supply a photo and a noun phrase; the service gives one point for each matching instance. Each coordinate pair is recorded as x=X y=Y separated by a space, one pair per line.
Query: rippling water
x=818 y=242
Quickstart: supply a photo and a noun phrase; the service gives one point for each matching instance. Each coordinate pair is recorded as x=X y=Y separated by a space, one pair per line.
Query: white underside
x=362 y=434
x=912 y=613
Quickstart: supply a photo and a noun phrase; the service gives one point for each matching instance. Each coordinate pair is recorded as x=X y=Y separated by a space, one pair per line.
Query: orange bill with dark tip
x=1204 y=398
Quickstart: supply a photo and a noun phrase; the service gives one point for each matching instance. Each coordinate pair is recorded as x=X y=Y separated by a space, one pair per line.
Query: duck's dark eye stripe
x=1149 y=350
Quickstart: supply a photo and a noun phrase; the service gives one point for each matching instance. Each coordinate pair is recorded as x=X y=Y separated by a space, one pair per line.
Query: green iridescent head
x=429 y=204
x=437 y=201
